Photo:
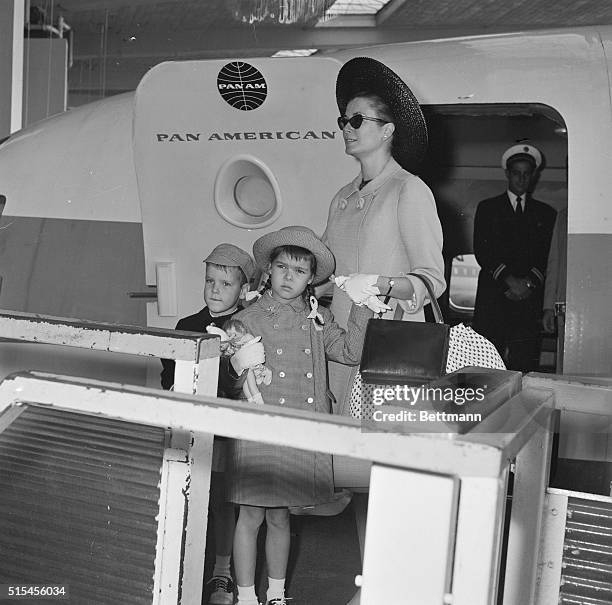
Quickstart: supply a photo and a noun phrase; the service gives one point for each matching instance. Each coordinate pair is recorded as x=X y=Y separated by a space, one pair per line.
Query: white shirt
x=513 y=197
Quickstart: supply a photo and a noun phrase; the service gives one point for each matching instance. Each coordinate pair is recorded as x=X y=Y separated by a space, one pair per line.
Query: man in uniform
x=512 y=234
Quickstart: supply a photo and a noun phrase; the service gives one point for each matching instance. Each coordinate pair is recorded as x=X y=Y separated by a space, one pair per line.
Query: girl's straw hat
x=296 y=236
x=363 y=74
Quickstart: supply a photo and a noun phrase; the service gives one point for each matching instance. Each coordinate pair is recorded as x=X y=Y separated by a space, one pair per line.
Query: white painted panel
x=550 y=558
x=479 y=536
x=16 y=85
x=531 y=477
x=174 y=484
x=409 y=537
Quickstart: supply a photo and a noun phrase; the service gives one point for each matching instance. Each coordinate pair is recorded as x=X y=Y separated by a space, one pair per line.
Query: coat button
x=281 y=374
x=279 y=351
x=281 y=400
x=307 y=351
x=310 y=400
x=308 y=374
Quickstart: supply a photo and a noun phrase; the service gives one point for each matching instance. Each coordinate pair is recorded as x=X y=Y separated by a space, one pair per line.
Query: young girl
x=297 y=335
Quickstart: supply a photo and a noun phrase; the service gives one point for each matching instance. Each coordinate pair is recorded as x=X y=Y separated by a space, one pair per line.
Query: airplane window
x=246 y=193
x=463 y=283
x=254 y=196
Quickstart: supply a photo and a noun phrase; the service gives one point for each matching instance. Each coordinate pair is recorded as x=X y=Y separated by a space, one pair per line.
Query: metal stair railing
x=435 y=524
x=185 y=470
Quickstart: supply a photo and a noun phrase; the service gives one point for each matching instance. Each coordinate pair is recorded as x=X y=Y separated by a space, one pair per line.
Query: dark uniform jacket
x=504 y=245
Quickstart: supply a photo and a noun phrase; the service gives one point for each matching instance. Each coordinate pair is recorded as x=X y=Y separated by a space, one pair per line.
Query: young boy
x=229 y=270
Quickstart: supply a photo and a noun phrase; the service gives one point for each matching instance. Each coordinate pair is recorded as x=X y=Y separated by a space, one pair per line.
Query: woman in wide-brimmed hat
x=384 y=223
x=298 y=337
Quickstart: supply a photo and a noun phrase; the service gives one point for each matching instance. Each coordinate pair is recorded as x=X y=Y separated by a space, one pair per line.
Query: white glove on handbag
x=359 y=286
x=248 y=357
x=375 y=304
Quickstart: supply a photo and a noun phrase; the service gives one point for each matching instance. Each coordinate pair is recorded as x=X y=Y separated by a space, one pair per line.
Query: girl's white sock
x=247 y=596
x=276 y=589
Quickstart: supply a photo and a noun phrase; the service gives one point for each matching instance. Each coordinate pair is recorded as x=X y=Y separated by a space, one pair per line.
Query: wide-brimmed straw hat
x=363 y=74
x=296 y=236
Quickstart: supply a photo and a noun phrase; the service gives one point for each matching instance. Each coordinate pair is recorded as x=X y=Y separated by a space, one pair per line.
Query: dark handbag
x=405 y=352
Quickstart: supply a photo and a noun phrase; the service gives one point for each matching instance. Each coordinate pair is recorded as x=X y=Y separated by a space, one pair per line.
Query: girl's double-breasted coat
x=296 y=351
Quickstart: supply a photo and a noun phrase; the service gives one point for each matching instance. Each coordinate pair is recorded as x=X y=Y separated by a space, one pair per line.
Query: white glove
x=360 y=286
x=375 y=304
x=248 y=357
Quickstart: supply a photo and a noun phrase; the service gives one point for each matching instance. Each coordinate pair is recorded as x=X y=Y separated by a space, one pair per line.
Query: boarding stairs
x=104 y=487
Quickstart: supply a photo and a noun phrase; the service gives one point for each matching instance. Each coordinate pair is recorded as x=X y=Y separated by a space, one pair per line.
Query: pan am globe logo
x=242 y=85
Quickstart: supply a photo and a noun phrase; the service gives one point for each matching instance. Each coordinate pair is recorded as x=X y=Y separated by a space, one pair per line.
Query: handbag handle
x=437 y=312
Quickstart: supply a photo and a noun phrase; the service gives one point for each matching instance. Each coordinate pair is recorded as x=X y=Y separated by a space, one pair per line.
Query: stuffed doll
x=234 y=336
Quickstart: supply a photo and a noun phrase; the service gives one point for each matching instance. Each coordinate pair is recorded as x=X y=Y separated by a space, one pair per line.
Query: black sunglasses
x=357 y=120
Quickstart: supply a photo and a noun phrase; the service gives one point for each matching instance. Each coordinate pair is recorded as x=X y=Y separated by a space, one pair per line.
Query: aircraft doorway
x=463 y=167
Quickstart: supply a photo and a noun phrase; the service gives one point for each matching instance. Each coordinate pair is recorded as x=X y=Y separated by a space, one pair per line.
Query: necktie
x=519 y=207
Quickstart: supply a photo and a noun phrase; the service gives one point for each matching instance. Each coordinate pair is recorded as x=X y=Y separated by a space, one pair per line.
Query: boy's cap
x=296 y=236
x=229 y=255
